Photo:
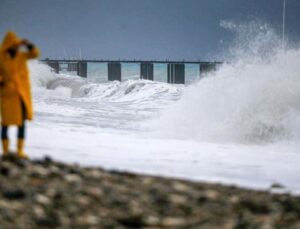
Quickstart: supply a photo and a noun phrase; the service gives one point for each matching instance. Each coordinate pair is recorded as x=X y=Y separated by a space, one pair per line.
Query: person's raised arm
x=32 y=50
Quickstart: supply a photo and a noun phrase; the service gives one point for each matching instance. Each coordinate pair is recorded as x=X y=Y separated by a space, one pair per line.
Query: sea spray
x=253 y=98
x=40 y=74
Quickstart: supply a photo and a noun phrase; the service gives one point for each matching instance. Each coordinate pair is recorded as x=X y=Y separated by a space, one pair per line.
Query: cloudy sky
x=139 y=29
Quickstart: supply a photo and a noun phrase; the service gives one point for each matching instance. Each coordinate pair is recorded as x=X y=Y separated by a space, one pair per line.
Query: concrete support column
x=176 y=73
x=54 y=66
x=82 y=69
x=206 y=68
x=114 y=71
x=146 y=71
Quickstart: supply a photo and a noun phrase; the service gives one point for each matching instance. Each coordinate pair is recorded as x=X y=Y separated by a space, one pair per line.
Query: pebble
x=177 y=199
x=42 y=199
x=152 y=221
x=14 y=194
x=14 y=173
x=4 y=170
x=179 y=187
x=95 y=174
x=88 y=220
x=211 y=194
x=72 y=209
x=234 y=199
x=92 y=220
x=54 y=171
x=94 y=192
x=39 y=212
x=147 y=181
x=73 y=178
x=83 y=200
x=132 y=221
x=135 y=207
x=39 y=171
x=16 y=206
x=51 y=192
x=36 y=181
x=173 y=222
x=4 y=204
x=48 y=222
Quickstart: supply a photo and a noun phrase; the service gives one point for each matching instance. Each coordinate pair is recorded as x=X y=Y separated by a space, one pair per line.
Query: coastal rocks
x=13 y=194
x=72 y=179
x=49 y=194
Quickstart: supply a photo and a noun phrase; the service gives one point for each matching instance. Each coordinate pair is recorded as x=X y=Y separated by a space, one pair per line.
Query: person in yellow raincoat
x=15 y=92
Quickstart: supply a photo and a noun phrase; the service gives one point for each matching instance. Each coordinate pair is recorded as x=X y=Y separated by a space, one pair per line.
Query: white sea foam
x=129 y=90
x=41 y=74
x=254 y=99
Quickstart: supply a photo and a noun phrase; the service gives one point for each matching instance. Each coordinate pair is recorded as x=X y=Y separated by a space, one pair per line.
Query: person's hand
x=25 y=42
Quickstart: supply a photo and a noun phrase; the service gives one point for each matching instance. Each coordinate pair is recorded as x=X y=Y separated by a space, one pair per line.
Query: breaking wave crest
x=130 y=90
x=41 y=74
x=253 y=99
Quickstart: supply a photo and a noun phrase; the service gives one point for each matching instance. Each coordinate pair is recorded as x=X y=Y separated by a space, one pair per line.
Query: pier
x=175 y=69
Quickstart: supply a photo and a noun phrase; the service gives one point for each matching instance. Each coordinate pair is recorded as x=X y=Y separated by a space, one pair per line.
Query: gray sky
x=140 y=29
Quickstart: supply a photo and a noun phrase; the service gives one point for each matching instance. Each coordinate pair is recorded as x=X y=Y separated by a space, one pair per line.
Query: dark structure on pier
x=54 y=65
x=146 y=71
x=175 y=69
x=82 y=69
x=176 y=73
x=207 y=67
x=114 y=71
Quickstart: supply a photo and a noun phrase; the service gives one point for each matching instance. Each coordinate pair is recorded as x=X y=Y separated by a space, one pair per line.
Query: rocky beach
x=48 y=194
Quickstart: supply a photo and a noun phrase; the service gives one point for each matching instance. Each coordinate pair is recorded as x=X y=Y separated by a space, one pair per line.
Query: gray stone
x=173 y=222
x=73 y=178
x=42 y=199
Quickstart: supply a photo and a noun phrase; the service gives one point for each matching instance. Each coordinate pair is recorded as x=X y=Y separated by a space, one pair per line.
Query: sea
x=97 y=72
x=239 y=125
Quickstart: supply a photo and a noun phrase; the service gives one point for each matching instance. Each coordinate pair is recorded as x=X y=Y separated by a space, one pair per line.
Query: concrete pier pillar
x=54 y=66
x=176 y=73
x=206 y=68
x=146 y=71
x=114 y=71
x=82 y=69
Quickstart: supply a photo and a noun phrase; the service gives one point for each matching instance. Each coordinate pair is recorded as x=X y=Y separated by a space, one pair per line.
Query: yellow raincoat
x=15 y=82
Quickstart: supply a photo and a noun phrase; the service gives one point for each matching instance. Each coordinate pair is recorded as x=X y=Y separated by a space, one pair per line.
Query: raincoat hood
x=9 y=40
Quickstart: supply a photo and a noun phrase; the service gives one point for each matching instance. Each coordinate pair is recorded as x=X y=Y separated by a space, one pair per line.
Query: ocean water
x=97 y=72
x=239 y=125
